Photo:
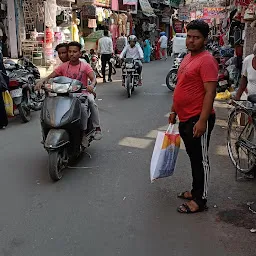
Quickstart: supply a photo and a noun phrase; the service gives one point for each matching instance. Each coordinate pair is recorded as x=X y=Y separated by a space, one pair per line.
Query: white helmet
x=132 y=38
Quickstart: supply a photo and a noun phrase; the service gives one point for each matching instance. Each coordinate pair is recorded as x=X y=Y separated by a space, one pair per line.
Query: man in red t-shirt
x=193 y=103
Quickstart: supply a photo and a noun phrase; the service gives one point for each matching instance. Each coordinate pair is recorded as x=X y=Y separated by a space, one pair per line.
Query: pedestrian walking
x=193 y=104
x=248 y=80
x=105 y=49
x=163 y=45
x=147 y=50
x=157 y=48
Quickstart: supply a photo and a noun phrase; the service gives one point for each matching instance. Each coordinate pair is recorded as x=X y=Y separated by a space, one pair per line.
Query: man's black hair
x=60 y=46
x=105 y=32
x=199 y=25
x=75 y=44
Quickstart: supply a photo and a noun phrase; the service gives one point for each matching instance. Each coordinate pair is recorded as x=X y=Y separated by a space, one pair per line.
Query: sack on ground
x=8 y=103
x=165 y=153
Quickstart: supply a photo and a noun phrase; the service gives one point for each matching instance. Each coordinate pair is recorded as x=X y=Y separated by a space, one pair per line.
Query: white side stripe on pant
x=205 y=162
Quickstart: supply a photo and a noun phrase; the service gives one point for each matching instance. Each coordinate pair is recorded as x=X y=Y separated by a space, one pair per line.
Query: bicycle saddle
x=252 y=98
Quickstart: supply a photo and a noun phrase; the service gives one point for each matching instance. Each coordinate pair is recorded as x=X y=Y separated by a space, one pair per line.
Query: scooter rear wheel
x=55 y=165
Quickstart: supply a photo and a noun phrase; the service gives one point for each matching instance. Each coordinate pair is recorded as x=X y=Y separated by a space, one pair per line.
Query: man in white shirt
x=134 y=51
x=105 y=49
x=248 y=80
x=163 y=45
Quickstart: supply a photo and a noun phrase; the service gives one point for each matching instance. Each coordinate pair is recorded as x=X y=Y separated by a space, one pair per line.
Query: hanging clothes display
x=92 y=23
x=50 y=13
x=75 y=31
x=122 y=21
x=107 y=13
x=114 y=27
x=100 y=14
x=129 y=24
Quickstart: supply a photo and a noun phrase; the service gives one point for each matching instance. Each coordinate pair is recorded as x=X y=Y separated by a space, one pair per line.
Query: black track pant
x=197 y=150
x=105 y=58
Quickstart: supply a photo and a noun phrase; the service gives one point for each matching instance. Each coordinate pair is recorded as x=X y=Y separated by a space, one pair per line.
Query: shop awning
x=146 y=8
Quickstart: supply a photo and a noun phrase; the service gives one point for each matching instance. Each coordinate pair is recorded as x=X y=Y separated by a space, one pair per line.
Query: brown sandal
x=184 y=208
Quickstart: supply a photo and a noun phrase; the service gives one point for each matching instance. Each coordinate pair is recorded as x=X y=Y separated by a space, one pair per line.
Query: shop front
x=43 y=25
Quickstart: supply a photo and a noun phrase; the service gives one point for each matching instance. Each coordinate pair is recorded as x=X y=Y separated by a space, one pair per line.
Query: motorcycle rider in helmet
x=134 y=51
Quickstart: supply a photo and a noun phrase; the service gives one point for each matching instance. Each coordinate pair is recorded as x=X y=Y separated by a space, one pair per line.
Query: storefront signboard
x=102 y=3
x=130 y=2
x=212 y=12
x=120 y=5
x=166 y=20
x=84 y=2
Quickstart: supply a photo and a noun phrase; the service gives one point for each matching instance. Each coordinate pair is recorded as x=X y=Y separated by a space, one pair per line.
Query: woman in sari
x=147 y=50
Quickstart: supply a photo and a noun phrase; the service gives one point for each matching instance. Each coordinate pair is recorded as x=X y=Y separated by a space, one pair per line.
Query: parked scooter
x=61 y=124
x=223 y=79
x=21 y=87
x=130 y=75
x=171 y=78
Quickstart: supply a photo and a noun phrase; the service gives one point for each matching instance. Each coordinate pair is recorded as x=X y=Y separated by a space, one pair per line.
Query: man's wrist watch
x=171 y=113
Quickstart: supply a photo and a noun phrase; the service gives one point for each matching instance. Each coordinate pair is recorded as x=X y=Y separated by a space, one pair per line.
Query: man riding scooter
x=134 y=51
x=75 y=69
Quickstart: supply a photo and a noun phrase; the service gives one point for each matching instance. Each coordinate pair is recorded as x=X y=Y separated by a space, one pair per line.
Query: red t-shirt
x=189 y=93
x=79 y=72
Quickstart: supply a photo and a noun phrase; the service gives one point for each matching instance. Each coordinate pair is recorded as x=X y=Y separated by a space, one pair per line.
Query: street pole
x=12 y=29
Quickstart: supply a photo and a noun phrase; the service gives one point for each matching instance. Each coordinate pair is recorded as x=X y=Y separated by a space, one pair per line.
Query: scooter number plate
x=16 y=93
x=222 y=83
x=129 y=70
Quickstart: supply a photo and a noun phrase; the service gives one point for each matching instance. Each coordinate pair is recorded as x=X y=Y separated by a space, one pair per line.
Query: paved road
x=107 y=206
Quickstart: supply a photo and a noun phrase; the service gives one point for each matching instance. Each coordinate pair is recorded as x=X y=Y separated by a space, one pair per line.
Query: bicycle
x=242 y=148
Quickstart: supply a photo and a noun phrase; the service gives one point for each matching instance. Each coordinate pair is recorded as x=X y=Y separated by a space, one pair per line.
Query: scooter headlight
x=129 y=65
x=60 y=88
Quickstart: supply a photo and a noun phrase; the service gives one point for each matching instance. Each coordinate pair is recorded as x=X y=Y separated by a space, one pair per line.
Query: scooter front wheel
x=55 y=165
x=128 y=86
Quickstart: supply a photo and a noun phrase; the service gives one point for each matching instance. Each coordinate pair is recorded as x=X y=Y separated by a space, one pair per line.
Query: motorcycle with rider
x=131 y=57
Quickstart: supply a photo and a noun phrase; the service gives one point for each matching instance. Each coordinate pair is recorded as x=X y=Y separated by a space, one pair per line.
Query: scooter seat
x=252 y=98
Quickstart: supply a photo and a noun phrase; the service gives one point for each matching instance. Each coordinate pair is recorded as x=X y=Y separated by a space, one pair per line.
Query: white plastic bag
x=165 y=153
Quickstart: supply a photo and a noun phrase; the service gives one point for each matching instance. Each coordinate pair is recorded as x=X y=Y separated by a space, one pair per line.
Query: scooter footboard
x=56 y=138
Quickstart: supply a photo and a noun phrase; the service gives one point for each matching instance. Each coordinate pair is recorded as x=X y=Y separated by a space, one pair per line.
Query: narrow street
x=106 y=205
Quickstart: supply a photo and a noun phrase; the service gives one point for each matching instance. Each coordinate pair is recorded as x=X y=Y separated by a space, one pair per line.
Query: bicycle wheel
x=240 y=126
